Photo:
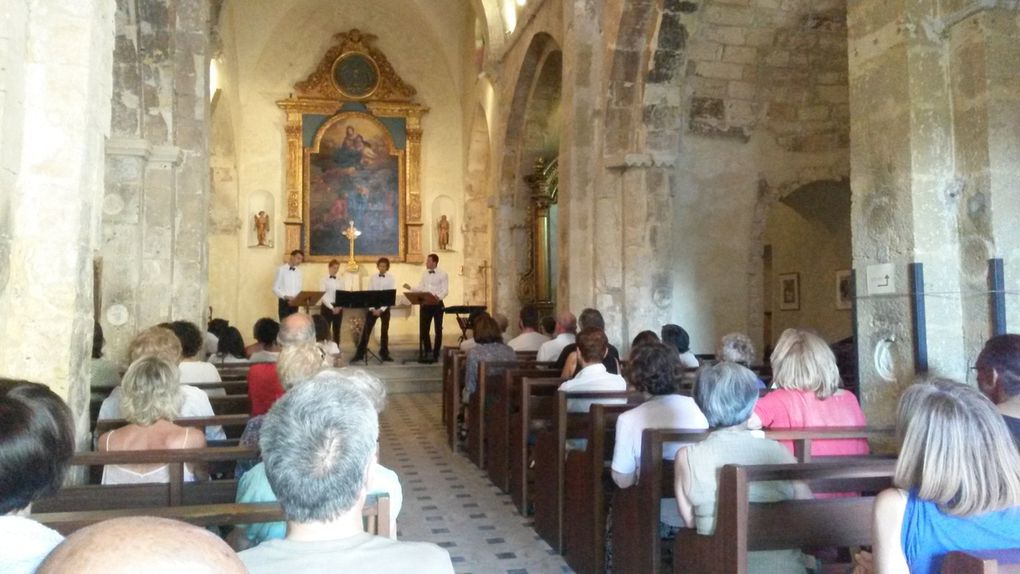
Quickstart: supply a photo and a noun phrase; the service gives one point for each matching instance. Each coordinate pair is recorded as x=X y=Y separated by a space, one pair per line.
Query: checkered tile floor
x=448 y=501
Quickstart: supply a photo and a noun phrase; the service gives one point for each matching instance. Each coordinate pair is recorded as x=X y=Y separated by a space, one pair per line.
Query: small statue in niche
x=262 y=228
x=444 y=233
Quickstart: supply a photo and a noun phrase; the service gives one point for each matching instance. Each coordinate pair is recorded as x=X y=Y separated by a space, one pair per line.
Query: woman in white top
x=229 y=347
x=151 y=399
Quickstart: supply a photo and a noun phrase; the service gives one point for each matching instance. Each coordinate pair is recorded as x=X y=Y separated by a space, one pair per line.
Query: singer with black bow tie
x=333 y=315
x=287 y=284
x=433 y=281
x=381 y=281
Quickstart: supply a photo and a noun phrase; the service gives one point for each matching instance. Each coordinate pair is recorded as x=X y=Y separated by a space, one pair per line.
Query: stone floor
x=448 y=501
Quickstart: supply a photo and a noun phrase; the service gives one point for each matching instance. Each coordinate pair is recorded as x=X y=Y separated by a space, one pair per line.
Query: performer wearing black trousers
x=437 y=282
x=381 y=281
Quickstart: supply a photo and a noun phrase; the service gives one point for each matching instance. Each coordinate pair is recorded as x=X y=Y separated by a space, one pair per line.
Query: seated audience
x=489 y=348
x=328 y=346
x=592 y=348
x=726 y=393
x=162 y=343
x=319 y=443
x=211 y=339
x=254 y=485
x=643 y=338
x=998 y=374
x=36 y=445
x=548 y=324
x=150 y=403
x=192 y=367
x=105 y=374
x=501 y=322
x=807 y=394
x=298 y=333
x=529 y=339
x=229 y=348
x=142 y=544
x=737 y=348
x=676 y=336
x=567 y=361
x=957 y=481
x=563 y=335
x=264 y=349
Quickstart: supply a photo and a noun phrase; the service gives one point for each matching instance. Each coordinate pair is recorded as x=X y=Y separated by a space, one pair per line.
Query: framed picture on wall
x=844 y=289
x=789 y=291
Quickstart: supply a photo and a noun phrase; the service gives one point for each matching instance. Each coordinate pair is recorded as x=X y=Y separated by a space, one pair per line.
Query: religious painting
x=354 y=174
x=789 y=291
x=844 y=290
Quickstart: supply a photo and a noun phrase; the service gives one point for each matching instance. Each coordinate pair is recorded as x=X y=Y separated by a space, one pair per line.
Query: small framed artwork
x=789 y=291
x=844 y=289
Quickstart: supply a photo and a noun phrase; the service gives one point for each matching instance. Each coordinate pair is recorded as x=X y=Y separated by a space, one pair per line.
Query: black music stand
x=422 y=298
x=366 y=300
x=464 y=322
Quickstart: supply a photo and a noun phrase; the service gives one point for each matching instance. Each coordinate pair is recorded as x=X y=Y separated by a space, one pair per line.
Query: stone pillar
x=157 y=195
x=54 y=105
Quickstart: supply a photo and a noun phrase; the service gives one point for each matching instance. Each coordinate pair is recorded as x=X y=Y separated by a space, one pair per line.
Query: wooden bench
x=1005 y=561
x=232 y=424
x=451 y=396
x=537 y=407
x=446 y=359
x=742 y=526
x=504 y=395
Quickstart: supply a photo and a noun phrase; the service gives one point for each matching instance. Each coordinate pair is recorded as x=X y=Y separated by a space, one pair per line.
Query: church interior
x=851 y=167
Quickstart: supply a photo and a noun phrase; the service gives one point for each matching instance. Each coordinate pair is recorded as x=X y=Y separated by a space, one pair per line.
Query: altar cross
x=351 y=233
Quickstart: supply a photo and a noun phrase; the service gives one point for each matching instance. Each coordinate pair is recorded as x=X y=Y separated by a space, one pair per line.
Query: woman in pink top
x=807 y=394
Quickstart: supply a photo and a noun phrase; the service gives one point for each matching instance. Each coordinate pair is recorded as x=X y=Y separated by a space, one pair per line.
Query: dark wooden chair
x=1005 y=561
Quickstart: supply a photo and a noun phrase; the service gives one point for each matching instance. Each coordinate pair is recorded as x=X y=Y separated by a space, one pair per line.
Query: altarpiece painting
x=354 y=147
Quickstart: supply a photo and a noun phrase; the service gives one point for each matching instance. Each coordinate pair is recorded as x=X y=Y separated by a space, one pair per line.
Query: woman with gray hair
x=737 y=348
x=150 y=402
x=726 y=393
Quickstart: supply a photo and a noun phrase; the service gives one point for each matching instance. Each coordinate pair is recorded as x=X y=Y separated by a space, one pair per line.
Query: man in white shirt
x=566 y=326
x=529 y=339
x=333 y=315
x=592 y=347
x=382 y=281
x=287 y=284
x=433 y=281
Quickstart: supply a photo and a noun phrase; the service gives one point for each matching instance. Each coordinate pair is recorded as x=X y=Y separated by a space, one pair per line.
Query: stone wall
x=55 y=87
x=157 y=170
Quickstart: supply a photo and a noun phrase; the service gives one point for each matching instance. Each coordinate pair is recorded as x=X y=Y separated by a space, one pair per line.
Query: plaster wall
x=277 y=44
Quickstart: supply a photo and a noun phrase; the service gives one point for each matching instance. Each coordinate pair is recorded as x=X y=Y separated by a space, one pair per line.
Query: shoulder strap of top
x=108 y=436
x=186 y=431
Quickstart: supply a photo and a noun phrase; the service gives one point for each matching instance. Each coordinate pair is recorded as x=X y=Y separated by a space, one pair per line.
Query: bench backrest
x=1005 y=561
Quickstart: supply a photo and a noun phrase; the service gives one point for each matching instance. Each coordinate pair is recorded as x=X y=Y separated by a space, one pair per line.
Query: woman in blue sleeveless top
x=957 y=479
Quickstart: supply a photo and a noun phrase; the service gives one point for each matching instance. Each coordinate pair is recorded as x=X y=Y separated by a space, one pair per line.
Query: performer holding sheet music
x=381 y=281
x=329 y=285
x=437 y=282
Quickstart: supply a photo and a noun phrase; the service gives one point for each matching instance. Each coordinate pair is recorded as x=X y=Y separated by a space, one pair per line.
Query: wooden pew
x=537 y=403
x=446 y=357
x=236 y=387
x=505 y=403
x=1006 y=561
x=234 y=424
x=552 y=450
x=636 y=509
x=451 y=396
x=742 y=526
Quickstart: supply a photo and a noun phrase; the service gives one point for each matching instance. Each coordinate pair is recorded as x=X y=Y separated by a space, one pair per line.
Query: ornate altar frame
x=384 y=96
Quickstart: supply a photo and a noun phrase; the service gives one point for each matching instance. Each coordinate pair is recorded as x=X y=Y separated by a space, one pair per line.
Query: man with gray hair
x=319 y=443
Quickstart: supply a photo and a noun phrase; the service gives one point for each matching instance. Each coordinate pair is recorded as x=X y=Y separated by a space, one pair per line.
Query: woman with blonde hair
x=957 y=481
x=807 y=394
x=150 y=402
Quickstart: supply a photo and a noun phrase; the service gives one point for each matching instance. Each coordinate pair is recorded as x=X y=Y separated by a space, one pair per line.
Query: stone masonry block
x=729 y=15
x=719 y=70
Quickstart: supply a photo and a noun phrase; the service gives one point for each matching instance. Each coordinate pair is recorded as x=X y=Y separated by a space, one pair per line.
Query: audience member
x=469 y=343
x=297 y=330
x=319 y=443
x=726 y=393
x=529 y=339
x=489 y=348
x=254 y=485
x=142 y=544
x=192 y=368
x=548 y=324
x=265 y=348
x=957 y=481
x=807 y=394
x=36 y=445
x=211 y=338
x=592 y=348
x=151 y=402
x=229 y=348
x=998 y=375
x=328 y=346
x=737 y=348
x=676 y=336
x=105 y=374
x=643 y=338
x=563 y=335
x=567 y=361
x=162 y=343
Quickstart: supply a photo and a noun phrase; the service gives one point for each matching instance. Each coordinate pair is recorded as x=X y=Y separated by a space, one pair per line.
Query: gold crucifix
x=351 y=233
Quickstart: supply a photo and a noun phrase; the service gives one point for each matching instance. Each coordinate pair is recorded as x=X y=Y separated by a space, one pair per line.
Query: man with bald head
x=566 y=329
x=142 y=544
x=263 y=379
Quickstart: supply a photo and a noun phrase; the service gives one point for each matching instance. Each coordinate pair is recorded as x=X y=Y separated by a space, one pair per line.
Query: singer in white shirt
x=433 y=281
x=333 y=315
x=287 y=284
x=381 y=281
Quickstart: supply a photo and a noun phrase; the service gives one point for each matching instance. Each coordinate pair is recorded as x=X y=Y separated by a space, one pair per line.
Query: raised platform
x=404 y=374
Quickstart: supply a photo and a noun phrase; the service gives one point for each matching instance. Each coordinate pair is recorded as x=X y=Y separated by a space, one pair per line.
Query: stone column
x=156 y=207
x=55 y=92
